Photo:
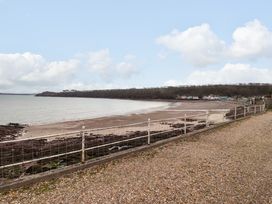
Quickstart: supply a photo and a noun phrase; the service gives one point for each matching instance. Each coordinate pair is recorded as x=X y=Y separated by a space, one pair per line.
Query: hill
x=245 y=90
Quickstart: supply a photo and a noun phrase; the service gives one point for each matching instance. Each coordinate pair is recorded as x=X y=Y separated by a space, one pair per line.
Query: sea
x=32 y=110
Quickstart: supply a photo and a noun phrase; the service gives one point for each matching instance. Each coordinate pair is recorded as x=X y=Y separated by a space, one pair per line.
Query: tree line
x=242 y=90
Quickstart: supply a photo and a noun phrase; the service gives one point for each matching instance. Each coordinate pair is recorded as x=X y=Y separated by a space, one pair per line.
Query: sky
x=97 y=44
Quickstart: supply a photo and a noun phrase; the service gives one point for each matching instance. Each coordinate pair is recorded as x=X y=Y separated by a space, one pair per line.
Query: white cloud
x=28 y=69
x=100 y=62
x=230 y=74
x=29 y=72
x=171 y=82
x=90 y=86
x=126 y=69
x=253 y=40
x=52 y=72
x=198 y=45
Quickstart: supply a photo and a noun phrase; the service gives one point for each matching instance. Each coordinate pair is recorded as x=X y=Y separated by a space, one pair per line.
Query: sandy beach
x=185 y=107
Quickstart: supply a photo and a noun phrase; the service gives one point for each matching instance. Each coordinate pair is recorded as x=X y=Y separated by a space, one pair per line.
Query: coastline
x=31 y=110
x=116 y=120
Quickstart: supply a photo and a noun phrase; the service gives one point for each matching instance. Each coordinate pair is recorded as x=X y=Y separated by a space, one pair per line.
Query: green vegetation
x=12 y=172
x=245 y=90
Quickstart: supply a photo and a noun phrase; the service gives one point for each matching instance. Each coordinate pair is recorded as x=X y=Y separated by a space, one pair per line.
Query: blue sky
x=55 y=45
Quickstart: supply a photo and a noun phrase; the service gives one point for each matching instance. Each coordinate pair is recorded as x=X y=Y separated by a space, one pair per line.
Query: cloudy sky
x=100 y=44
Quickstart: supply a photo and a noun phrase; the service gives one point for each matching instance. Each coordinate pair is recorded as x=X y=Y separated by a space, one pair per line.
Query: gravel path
x=232 y=164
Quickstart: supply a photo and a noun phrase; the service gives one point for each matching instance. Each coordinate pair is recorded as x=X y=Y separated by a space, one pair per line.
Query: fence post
x=185 y=125
x=255 y=109
x=82 y=145
x=148 y=131
x=244 y=111
x=235 y=112
x=207 y=118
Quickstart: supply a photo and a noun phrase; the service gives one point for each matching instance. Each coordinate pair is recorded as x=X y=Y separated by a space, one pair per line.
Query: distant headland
x=235 y=90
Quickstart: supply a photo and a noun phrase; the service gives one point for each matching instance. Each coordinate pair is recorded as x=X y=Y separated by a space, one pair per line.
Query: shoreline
x=76 y=110
x=116 y=120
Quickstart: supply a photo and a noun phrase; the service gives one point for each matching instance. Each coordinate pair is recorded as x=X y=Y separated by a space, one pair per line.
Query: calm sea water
x=43 y=110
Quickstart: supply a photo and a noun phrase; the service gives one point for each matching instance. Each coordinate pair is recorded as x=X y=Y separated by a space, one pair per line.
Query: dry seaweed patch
x=18 y=151
x=228 y=165
x=11 y=131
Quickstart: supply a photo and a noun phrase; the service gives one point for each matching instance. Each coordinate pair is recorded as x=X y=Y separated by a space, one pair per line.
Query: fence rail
x=22 y=157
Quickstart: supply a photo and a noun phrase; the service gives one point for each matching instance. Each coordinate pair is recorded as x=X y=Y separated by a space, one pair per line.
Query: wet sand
x=184 y=107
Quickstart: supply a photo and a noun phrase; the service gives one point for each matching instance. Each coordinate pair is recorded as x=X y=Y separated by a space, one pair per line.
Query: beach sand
x=185 y=107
